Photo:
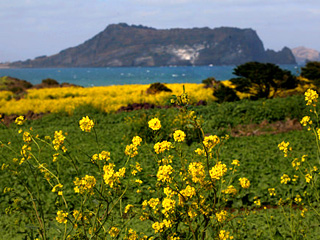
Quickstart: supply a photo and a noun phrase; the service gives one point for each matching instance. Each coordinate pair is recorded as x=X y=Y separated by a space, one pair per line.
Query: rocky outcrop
x=284 y=56
x=123 y=45
x=303 y=54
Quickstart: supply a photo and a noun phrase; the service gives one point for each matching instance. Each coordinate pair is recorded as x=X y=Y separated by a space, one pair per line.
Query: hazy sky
x=31 y=28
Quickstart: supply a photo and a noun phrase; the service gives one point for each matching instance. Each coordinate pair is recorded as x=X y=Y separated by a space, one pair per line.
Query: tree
x=262 y=80
x=312 y=72
x=224 y=94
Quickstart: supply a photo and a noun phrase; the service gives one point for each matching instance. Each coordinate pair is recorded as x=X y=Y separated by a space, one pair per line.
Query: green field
x=260 y=161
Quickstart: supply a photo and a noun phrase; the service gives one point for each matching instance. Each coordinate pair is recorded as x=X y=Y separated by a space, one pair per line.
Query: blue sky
x=31 y=28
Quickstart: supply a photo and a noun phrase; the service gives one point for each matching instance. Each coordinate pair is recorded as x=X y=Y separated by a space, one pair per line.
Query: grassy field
x=29 y=205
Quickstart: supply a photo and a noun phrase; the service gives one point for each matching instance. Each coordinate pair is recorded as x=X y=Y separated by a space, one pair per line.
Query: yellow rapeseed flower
x=153 y=203
x=308 y=177
x=131 y=150
x=86 y=184
x=244 y=182
x=230 y=190
x=311 y=96
x=58 y=139
x=164 y=173
x=160 y=147
x=27 y=137
x=221 y=216
x=197 y=172
x=210 y=142
x=285 y=179
x=283 y=146
x=236 y=162
x=154 y=124
x=136 y=140
x=86 y=124
x=305 y=121
x=62 y=217
x=272 y=191
x=19 y=120
x=114 y=231
x=158 y=227
x=218 y=171
x=127 y=208
x=179 y=136
x=224 y=235
x=168 y=205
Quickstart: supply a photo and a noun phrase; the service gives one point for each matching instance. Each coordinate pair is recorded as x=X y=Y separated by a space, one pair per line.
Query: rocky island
x=122 y=45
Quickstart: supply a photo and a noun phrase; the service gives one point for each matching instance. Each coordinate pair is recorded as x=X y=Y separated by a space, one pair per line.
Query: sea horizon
x=90 y=77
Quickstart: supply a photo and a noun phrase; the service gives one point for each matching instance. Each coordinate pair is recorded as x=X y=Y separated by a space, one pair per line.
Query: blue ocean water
x=127 y=75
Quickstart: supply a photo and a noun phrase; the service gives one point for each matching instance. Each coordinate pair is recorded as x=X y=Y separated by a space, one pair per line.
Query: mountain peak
x=124 y=45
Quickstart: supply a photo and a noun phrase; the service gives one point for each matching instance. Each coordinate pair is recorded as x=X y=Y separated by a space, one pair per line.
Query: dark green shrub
x=50 y=82
x=312 y=72
x=209 y=82
x=158 y=87
x=225 y=94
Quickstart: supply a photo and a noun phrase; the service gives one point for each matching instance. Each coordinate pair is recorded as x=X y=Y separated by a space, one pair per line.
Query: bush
x=225 y=94
x=50 y=82
x=312 y=72
x=209 y=82
x=158 y=87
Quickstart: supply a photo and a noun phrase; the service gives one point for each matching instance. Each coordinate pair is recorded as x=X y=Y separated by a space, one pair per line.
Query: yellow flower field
x=107 y=99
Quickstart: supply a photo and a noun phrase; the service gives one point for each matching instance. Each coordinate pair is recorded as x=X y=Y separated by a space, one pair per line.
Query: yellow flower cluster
x=153 y=203
x=57 y=188
x=308 y=177
x=179 y=136
x=86 y=124
x=19 y=120
x=127 y=208
x=62 y=217
x=168 y=205
x=77 y=215
x=236 y=162
x=221 y=216
x=244 y=182
x=27 y=137
x=58 y=139
x=230 y=190
x=285 y=179
x=154 y=124
x=164 y=173
x=257 y=201
x=160 y=147
x=136 y=140
x=210 y=142
x=104 y=155
x=132 y=149
x=197 y=172
x=218 y=171
x=110 y=176
x=272 y=191
x=114 y=231
x=283 y=146
x=86 y=184
x=186 y=194
x=311 y=97
x=305 y=121
x=224 y=235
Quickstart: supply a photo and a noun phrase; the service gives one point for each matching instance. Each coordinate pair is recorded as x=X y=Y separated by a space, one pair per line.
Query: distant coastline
x=89 y=77
x=4 y=65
